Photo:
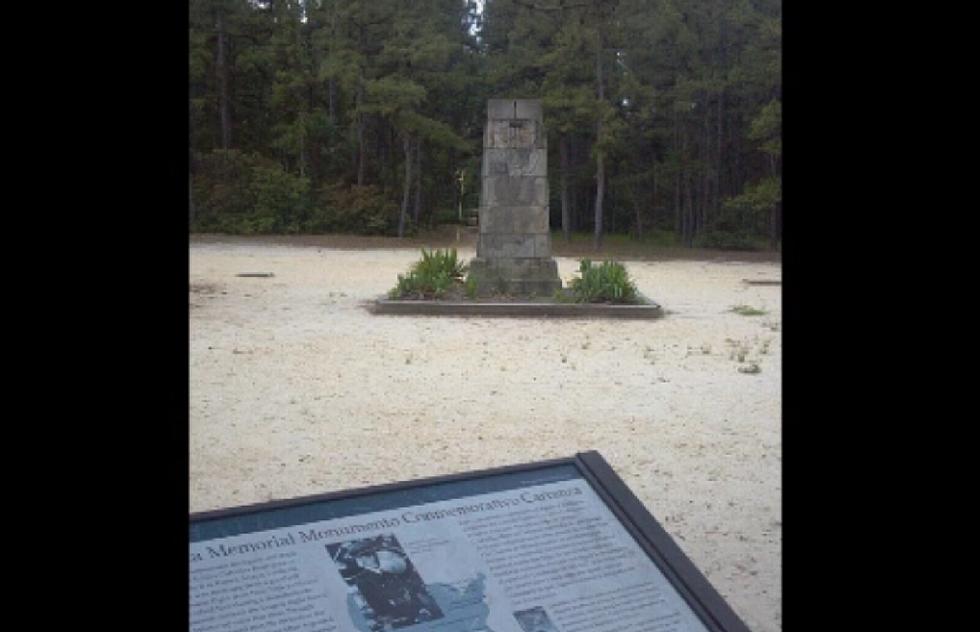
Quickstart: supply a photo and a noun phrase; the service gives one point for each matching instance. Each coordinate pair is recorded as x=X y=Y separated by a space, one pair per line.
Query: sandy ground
x=296 y=389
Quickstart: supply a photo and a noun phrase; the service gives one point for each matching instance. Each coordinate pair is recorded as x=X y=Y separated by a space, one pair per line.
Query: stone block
x=514 y=219
x=532 y=268
x=514 y=245
x=517 y=161
x=514 y=109
x=505 y=245
x=514 y=133
x=515 y=276
x=514 y=191
x=542 y=245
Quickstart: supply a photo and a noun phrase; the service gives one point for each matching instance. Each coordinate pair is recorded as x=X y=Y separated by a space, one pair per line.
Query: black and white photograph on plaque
x=535 y=620
x=389 y=590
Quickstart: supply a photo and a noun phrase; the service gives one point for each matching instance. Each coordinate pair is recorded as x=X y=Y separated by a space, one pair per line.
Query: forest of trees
x=366 y=116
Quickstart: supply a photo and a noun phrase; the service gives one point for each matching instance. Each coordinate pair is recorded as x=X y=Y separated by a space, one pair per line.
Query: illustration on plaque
x=535 y=620
x=389 y=593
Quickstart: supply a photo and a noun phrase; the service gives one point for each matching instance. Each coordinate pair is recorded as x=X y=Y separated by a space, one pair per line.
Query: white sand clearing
x=296 y=389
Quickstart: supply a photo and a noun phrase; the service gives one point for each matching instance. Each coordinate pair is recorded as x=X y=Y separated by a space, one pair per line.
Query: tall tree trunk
x=639 y=216
x=332 y=82
x=222 y=67
x=314 y=162
x=418 y=182
x=566 y=223
x=722 y=61
x=653 y=199
x=678 y=218
x=688 y=211
x=361 y=149
x=456 y=186
x=600 y=167
x=302 y=150
x=381 y=145
x=407 y=143
x=707 y=161
x=775 y=212
x=728 y=186
x=573 y=189
x=611 y=194
x=737 y=181
x=718 y=153
x=190 y=196
x=688 y=202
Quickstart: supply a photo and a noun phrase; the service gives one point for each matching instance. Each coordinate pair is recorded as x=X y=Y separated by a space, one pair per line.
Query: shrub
x=281 y=200
x=431 y=277
x=353 y=209
x=728 y=240
x=220 y=187
x=240 y=192
x=607 y=282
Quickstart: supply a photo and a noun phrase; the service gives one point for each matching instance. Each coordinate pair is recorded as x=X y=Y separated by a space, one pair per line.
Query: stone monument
x=513 y=249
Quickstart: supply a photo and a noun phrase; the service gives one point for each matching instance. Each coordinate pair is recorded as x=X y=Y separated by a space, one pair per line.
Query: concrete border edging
x=385 y=306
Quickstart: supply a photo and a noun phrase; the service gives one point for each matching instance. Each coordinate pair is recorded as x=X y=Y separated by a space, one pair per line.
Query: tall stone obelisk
x=513 y=250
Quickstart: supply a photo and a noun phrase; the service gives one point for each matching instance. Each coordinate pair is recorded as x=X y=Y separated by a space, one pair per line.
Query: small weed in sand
x=648 y=354
x=706 y=349
x=739 y=350
x=203 y=288
x=748 y=310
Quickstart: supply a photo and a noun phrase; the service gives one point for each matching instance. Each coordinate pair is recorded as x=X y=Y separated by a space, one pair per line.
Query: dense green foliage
x=607 y=282
x=431 y=277
x=367 y=116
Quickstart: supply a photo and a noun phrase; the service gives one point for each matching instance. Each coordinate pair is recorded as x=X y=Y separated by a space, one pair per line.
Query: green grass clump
x=607 y=282
x=431 y=277
x=748 y=310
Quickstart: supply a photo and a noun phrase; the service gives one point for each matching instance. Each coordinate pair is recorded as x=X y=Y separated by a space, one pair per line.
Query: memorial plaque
x=558 y=546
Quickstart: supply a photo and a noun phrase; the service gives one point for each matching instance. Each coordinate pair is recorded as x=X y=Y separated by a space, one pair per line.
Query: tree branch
x=560 y=6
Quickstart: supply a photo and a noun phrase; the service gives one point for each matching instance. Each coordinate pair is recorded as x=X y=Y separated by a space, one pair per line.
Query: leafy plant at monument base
x=432 y=277
x=607 y=282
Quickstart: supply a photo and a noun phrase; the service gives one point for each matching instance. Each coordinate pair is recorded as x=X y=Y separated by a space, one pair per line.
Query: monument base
x=515 y=276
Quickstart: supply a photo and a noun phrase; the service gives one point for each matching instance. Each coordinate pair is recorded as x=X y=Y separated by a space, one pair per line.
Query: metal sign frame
x=689 y=582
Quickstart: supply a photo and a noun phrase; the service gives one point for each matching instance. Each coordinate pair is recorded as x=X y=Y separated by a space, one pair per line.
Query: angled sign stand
x=552 y=546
